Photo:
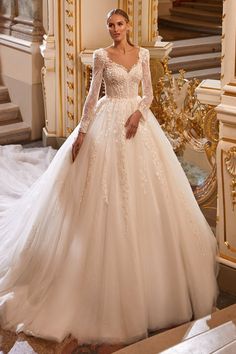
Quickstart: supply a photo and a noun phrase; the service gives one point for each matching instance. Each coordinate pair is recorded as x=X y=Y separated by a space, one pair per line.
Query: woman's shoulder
x=98 y=51
x=99 y=54
x=144 y=52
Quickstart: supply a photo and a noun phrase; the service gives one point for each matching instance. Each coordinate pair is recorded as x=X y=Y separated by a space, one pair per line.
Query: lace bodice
x=120 y=83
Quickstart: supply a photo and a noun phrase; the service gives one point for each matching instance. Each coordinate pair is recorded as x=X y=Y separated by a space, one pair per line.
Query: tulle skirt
x=111 y=246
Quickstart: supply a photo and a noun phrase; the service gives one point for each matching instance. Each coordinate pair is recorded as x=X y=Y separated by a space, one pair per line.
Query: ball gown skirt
x=111 y=246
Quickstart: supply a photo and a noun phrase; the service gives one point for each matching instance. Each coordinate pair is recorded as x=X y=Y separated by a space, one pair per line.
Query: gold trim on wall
x=78 y=61
x=71 y=34
x=130 y=12
x=60 y=69
x=228 y=258
x=230 y=163
x=226 y=242
x=149 y=20
x=140 y=10
x=152 y=20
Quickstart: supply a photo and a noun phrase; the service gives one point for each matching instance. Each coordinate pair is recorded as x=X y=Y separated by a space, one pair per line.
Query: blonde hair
x=126 y=17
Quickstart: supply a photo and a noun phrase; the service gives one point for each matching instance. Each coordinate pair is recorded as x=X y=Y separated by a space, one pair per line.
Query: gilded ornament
x=70 y=28
x=70 y=85
x=69 y=42
x=69 y=130
x=70 y=115
x=69 y=13
x=70 y=100
x=70 y=71
x=230 y=162
x=70 y=56
x=186 y=121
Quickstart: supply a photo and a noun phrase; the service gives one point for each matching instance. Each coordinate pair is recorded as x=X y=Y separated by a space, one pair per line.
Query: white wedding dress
x=113 y=245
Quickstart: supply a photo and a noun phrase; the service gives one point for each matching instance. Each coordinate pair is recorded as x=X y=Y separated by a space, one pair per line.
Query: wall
x=21 y=33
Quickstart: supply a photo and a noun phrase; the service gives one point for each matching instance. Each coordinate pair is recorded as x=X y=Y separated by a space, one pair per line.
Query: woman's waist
x=125 y=98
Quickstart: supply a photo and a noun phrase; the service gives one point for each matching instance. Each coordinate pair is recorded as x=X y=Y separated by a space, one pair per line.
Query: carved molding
x=152 y=20
x=230 y=163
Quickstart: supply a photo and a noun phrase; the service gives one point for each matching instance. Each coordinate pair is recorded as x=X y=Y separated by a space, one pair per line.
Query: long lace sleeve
x=147 y=96
x=92 y=98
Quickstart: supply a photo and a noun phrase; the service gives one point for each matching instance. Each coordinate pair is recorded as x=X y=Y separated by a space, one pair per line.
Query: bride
x=114 y=244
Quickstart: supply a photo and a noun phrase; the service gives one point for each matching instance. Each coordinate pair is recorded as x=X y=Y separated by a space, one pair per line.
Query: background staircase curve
x=12 y=129
x=195 y=28
x=199 y=57
x=200 y=16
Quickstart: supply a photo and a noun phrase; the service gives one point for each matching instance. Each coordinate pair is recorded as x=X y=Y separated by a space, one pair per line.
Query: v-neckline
x=128 y=70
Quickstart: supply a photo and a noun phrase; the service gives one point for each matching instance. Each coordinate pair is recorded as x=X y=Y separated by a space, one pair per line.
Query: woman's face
x=117 y=27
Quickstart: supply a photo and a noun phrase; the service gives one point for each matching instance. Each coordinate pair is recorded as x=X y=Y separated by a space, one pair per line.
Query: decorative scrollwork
x=70 y=100
x=70 y=85
x=185 y=120
x=70 y=28
x=70 y=71
x=69 y=42
x=70 y=115
x=70 y=56
x=69 y=13
x=230 y=162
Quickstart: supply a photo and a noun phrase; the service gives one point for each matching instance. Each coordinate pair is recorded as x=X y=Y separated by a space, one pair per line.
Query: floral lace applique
x=119 y=83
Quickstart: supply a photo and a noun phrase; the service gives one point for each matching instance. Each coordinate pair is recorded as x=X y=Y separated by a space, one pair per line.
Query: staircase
x=12 y=128
x=200 y=16
x=215 y=333
x=199 y=57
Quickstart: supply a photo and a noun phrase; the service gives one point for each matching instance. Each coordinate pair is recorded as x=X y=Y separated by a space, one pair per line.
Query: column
x=226 y=151
x=70 y=34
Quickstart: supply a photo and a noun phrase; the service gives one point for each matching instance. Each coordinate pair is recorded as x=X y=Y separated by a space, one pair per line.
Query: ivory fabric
x=113 y=245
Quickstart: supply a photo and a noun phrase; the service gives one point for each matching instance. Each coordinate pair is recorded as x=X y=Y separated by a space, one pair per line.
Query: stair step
x=209 y=44
x=4 y=95
x=219 y=2
x=14 y=133
x=194 y=62
x=161 y=342
x=211 y=73
x=211 y=341
x=195 y=14
x=204 y=6
x=191 y=24
x=9 y=113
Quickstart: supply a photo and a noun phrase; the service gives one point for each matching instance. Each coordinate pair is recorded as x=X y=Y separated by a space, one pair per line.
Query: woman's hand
x=77 y=145
x=132 y=124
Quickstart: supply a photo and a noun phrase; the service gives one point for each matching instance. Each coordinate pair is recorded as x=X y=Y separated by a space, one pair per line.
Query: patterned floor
x=11 y=343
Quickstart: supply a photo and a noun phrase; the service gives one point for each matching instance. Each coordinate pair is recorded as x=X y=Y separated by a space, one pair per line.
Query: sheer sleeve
x=147 y=96
x=92 y=98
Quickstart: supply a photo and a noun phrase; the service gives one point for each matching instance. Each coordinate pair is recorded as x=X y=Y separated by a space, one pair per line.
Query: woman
x=114 y=245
